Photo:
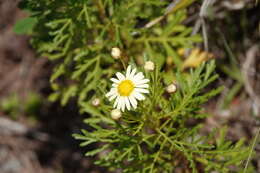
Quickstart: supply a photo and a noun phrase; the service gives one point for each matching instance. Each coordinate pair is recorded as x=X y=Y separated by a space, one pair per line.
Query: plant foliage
x=79 y=35
x=159 y=135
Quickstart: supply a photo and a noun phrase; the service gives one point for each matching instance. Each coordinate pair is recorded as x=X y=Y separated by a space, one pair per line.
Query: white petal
x=142 y=86
x=115 y=85
x=113 y=97
x=138 y=96
x=116 y=102
x=119 y=103
x=133 y=101
x=122 y=104
x=111 y=92
x=132 y=73
x=143 y=81
x=139 y=76
x=120 y=76
x=128 y=71
x=141 y=90
x=127 y=103
x=114 y=80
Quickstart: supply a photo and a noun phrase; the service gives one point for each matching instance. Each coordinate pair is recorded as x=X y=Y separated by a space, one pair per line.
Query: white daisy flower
x=127 y=89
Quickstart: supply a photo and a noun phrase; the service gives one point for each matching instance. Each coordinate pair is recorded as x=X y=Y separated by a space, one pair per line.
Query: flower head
x=171 y=88
x=127 y=89
x=116 y=114
x=116 y=52
x=149 y=66
x=95 y=102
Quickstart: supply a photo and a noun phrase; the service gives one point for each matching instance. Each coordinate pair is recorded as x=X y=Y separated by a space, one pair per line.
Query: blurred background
x=35 y=135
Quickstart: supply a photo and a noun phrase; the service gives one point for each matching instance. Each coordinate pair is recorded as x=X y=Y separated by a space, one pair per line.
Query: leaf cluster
x=163 y=133
x=78 y=36
x=157 y=137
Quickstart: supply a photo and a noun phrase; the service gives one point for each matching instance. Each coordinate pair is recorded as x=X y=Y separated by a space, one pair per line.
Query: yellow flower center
x=125 y=88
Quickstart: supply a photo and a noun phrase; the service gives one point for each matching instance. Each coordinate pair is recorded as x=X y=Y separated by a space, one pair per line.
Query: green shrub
x=157 y=137
x=78 y=36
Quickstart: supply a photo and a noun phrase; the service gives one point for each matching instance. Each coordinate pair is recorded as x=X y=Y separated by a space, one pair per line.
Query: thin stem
x=123 y=63
x=251 y=151
x=157 y=155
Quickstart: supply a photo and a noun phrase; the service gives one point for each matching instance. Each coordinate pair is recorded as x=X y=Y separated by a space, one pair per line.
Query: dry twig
x=250 y=59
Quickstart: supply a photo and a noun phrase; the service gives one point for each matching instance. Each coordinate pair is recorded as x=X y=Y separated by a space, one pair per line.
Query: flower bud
x=171 y=88
x=95 y=102
x=149 y=66
x=116 y=114
x=116 y=52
